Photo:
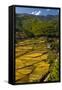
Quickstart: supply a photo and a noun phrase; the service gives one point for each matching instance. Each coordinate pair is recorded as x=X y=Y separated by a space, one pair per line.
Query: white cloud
x=47 y=10
x=36 y=12
x=33 y=12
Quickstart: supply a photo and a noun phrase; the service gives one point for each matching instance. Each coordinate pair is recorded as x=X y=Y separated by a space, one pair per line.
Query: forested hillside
x=34 y=26
x=37 y=48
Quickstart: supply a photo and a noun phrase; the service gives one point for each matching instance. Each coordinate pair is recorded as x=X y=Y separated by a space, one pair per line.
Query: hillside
x=37 y=48
x=33 y=26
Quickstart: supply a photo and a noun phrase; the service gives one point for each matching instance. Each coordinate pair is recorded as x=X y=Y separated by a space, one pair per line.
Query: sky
x=37 y=11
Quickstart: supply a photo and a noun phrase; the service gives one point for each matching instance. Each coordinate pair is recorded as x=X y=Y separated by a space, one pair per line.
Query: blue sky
x=37 y=11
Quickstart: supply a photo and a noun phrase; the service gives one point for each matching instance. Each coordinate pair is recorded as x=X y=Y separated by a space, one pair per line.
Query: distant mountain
x=38 y=16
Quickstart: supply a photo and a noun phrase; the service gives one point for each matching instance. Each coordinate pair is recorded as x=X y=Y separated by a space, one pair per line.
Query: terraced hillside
x=37 y=47
x=31 y=60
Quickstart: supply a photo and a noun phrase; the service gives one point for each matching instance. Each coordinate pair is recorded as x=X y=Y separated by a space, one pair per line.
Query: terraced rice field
x=31 y=60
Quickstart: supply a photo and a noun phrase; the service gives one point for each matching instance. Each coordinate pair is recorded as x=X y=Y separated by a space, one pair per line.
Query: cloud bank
x=36 y=12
